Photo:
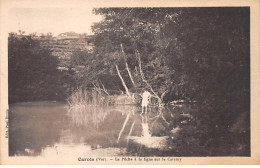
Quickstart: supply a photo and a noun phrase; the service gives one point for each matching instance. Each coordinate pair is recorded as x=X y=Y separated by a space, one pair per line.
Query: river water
x=50 y=128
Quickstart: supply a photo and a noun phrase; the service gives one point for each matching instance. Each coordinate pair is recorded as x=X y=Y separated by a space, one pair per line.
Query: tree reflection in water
x=106 y=130
x=97 y=116
x=146 y=139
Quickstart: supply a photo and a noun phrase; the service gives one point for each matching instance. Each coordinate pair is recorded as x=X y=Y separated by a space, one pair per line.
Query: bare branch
x=123 y=82
x=104 y=89
x=127 y=68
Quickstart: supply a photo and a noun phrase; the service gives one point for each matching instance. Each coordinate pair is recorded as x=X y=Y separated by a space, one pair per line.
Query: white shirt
x=146 y=96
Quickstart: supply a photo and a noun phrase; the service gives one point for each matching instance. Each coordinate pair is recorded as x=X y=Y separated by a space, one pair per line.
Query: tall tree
x=198 y=54
x=32 y=70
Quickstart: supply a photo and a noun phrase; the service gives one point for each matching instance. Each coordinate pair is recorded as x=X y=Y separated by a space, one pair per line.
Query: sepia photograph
x=128 y=83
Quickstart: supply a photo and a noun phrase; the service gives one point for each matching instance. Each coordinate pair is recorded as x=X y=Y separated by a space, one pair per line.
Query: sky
x=54 y=20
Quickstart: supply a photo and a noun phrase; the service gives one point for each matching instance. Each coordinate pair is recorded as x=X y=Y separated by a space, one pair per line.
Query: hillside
x=65 y=44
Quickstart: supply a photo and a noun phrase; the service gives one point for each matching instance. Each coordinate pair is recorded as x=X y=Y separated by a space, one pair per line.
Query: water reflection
x=146 y=139
x=145 y=133
x=41 y=129
x=96 y=115
x=92 y=115
x=69 y=150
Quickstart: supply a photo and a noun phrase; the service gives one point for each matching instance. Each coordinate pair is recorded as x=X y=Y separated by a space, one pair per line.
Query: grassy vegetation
x=82 y=99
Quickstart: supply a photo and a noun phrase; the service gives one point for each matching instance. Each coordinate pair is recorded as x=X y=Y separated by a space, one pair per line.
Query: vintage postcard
x=129 y=82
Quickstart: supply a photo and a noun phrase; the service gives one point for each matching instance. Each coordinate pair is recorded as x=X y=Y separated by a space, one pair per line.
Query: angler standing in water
x=145 y=101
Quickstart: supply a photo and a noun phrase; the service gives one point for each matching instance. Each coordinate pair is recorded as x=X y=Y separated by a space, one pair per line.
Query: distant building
x=68 y=35
x=63 y=68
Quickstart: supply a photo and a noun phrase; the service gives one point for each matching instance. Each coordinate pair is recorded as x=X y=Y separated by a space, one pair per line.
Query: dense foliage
x=200 y=55
x=33 y=73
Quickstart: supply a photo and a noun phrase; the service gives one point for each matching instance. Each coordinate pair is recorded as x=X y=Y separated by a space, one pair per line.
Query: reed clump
x=91 y=97
x=89 y=106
